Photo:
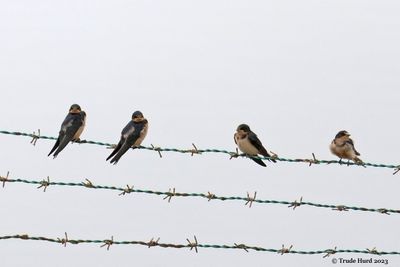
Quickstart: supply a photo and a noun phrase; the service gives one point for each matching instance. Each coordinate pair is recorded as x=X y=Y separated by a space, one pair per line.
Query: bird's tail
x=55 y=146
x=259 y=161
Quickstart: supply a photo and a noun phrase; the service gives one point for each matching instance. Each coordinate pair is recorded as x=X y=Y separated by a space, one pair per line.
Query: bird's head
x=342 y=133
x=137 y=116
x=75 y=108
x=243 y=129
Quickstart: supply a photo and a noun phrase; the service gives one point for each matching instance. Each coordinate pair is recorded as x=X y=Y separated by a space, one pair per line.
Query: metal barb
x=241 y=246
x=4 y=179
x=63 y=241
x=108 y=243
x=312 y=161
x=250 y=199
x=284 y=250
x=127 y=190
x=210 y=196
x=88 y=183
x=384 y=211
x=341 y=208
x=44 y=184
x=234 y=154
x=296 y=204
x=373 y=251
x=35 y=137
x=329 y=252
x=170 y=194
x=193 y=150
x=158 y=149
x=273 y=155
x=153 y=242
x=193 y=245
x=396 y=170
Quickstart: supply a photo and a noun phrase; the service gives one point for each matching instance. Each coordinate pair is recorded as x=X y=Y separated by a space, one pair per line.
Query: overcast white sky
x=296 y=71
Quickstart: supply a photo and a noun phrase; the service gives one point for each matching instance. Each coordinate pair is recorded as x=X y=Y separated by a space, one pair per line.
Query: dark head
x=137 y=116
x=244 y=128
x=341 y=134
x=75 y=108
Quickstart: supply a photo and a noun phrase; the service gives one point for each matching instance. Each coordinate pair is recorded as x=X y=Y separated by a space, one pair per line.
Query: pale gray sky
x=296 y=71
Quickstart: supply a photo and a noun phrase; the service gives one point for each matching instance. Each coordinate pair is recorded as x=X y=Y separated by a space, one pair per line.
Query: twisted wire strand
x=209 y=196
x=195 y=245
x=212 y=150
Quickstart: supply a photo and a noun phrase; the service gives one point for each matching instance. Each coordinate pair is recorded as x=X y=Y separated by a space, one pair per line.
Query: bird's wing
x=351 y=143
x=259 y=161
x=258 y=145
x=69 y=128
x=130 y=134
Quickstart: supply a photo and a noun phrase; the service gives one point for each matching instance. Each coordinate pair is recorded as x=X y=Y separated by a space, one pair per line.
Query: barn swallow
x=248 y=143
x=343 y=147
x=71 y=129
x=131 y=136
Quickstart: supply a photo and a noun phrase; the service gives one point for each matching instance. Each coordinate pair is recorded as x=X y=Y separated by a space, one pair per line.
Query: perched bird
x=343 y=147
x=131 y=136
x=248 y=143
x=71 y=129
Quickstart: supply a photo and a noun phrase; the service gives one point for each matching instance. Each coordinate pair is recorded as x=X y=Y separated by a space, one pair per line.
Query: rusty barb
x=284 y=250
x=88 y=183
x=108 y=243
x=127 y=190
x=341 y=208
x=329 y=252
x=296 y=204
x=4 y=179
x=35 y=137
x=273 y=155
x=312 y=161
x=210 y=195
x=158 y=149
x=64 y=240
x=250 y=199
x=153 y=242
x=193 y=245
x=193 y=151
x=44 y=184
x=241 y=246
x=170 y=194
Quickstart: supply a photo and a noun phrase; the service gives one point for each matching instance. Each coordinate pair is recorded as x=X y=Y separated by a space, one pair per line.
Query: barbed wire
x=249 y=200
x=195 y=245
x=195 y=150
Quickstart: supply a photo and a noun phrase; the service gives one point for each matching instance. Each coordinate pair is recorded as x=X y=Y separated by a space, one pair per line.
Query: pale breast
x=80 y=130
x=342 y=151
x=143 y=134
x=246 y=147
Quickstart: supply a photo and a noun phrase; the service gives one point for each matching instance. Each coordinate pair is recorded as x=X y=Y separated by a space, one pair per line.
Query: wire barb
x=4 y=179
x=396 y=170
x=210 y=195
x=329 y=252
x=193 y=245
x=241 y=246
x=250 y=200
x=153 y=242
x=384 y=211
x=158 y=149
x=88 y=184
x=108 y=243
x=64 y=240
x=35 y=137
x=341 y=208
x=373 y=251
x=284 y=250
x=44 y=184
x=170 y=194
x=313 y=160
x=296 y=204
x=234 y=154
x=126 y=190
x=193 y=151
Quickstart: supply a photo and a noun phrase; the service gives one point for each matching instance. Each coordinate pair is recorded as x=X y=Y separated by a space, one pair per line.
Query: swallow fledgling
x=248 y=143
x=343 y=147
x=71 y=129
x=131 y=136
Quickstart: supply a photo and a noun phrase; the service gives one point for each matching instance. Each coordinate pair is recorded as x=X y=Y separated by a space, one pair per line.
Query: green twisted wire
x=232 y=154
x=195 y=245
x=209 y=196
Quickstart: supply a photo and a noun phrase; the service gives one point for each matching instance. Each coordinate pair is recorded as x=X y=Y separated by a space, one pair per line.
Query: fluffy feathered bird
x=343 y=147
